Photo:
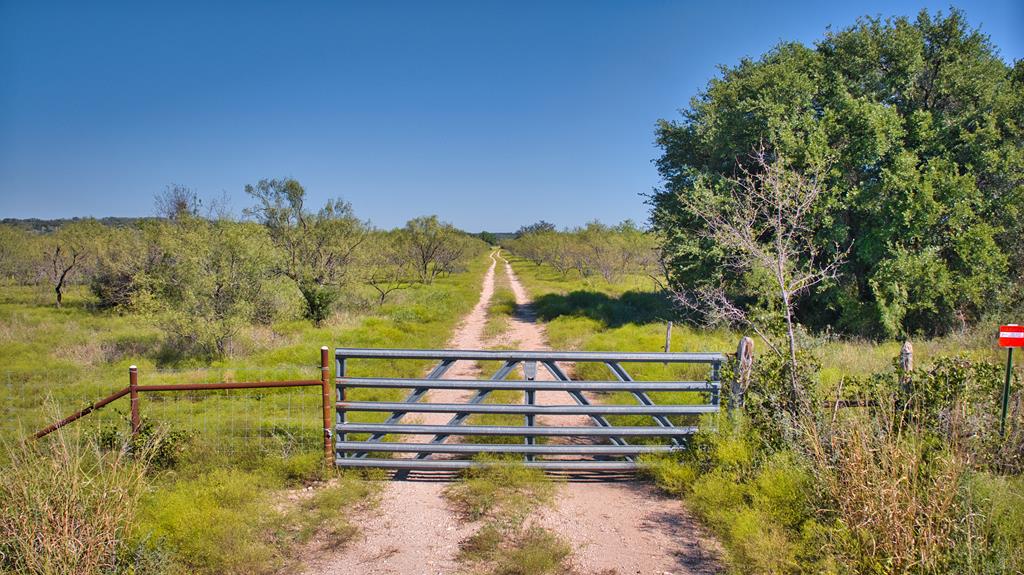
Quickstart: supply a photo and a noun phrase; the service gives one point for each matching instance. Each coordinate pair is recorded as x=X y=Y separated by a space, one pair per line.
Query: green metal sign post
x=1006 y=391
x=1010 y=336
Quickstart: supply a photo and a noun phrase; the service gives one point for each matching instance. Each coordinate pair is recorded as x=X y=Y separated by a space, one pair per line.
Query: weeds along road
x=625 y=527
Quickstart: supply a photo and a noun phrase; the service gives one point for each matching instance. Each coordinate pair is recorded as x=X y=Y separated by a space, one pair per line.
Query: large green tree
x=916 y=126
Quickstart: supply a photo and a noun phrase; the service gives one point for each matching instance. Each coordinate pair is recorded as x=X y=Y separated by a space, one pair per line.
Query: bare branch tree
x=765 y=223
x=177 y=201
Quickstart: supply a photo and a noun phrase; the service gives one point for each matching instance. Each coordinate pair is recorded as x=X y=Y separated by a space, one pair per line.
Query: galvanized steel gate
x=609 y=450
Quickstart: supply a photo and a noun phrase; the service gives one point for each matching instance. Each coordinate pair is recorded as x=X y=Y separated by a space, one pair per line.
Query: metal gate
x=608 y=447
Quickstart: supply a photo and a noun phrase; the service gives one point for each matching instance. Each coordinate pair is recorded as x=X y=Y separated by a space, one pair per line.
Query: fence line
x=135 y=390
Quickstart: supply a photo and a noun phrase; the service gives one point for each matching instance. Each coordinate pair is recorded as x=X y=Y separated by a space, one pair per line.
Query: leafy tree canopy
x=917 y=127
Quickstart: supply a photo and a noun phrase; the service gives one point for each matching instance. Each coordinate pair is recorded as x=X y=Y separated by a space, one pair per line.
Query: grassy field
x=221 y=498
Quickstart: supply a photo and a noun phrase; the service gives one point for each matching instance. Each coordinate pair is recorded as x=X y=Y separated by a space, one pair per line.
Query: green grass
x=234 y=521
x=225 y=506
x=502 y=308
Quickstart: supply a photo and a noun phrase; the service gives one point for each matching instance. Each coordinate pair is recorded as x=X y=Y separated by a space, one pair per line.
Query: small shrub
x=114 y=289
x=781 y=490
x=217 y=523
x=716 y=496
x=669 y=474
x=163 y=447
x=500 y=488
x=536 y=552
x=758 y=543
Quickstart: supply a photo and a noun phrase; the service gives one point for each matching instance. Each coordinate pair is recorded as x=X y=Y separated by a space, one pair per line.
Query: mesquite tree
x=319 y=247
x=69 y=253
x=434 y=246
x=387 y=265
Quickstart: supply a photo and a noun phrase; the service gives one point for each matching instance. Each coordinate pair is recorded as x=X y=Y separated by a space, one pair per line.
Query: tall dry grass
x=895 y=493
x=66 y=505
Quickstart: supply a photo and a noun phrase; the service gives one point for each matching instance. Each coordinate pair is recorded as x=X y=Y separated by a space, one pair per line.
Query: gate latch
x=530 y=370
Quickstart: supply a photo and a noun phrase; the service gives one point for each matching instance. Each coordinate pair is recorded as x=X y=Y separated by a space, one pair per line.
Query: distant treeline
x=47 y=226
x=595 y=249
x=204 y=277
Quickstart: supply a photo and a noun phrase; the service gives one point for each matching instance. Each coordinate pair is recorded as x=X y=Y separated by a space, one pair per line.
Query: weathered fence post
x=133 y=396
x=668 y=338
x=744 y=365
x=325 y=386
x=906 y=365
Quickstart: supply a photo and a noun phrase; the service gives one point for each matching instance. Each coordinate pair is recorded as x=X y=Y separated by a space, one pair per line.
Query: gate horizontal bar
x=525 y=385
x=230 y=385
x=456 y=465
x=409 y=407
x=584 y=356
x=549 y=449
x=534 y=431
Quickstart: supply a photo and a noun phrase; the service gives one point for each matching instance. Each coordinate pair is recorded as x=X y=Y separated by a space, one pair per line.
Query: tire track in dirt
x=626 y=527
x=411 y=530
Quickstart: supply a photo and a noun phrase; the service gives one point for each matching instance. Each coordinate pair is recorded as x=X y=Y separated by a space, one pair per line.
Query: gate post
x=744 y=365
x=133 y=396
x=906 y=365
x=325 y=383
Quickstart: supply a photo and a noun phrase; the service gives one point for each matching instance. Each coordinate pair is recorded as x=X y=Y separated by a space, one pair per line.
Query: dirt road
x=624 y=527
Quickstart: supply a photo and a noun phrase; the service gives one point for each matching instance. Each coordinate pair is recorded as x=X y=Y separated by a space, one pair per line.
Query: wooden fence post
x=668 y=338
x=133 y=396
x=325 y=384
x=744 y=365
x=906 y=365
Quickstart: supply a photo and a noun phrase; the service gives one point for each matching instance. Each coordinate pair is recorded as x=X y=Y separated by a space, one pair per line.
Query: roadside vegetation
x=832 y=233
x=217 y=482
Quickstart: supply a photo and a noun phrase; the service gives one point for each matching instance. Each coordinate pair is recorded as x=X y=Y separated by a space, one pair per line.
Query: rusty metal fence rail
x=185 y=404
x=601 y=446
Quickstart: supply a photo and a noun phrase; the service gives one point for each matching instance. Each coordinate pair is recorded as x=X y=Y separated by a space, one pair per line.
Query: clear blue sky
x=490 y=114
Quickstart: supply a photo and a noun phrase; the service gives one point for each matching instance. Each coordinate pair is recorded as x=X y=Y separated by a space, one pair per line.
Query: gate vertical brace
x=716 y=377
x=341 y=416
x=530 y=370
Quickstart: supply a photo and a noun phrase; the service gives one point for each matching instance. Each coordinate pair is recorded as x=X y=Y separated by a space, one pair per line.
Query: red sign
x=1011 y=335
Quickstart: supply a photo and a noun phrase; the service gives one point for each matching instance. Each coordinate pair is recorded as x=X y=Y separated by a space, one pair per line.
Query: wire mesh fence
x=225 y=424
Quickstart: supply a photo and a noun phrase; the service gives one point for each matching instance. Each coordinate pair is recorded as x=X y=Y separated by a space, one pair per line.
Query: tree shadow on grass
x=632 y=307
